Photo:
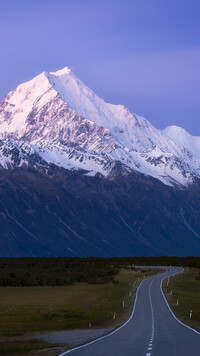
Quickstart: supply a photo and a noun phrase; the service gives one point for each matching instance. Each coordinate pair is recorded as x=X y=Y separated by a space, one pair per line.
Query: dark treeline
x=40 y=271
x=188 y=261
x=54 y=271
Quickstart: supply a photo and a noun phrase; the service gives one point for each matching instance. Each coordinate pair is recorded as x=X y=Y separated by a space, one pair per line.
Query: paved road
x=152 y=330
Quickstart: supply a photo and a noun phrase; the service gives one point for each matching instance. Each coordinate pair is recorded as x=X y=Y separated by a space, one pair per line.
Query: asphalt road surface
x=152 y=329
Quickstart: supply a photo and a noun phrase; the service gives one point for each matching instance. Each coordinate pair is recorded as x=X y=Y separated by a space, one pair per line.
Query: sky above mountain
x=140 y=53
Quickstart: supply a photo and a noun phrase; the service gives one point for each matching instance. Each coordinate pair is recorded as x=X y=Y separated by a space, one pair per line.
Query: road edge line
x=161 y=289
x=112 y=332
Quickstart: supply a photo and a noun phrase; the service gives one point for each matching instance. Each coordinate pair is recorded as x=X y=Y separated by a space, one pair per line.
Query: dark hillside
x=66 y=213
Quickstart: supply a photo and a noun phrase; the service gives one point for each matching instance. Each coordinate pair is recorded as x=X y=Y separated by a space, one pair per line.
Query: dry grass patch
x=186 y=289
x=29 y=310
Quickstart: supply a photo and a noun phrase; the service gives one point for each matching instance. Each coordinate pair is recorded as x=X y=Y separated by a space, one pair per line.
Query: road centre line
x=113 y=332
x=134 y=306
x=152 y=316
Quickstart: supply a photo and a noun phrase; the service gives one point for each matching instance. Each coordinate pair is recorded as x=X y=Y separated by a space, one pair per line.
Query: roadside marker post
x=171 y=292
x=190 y=314
x=130 y=294
x=114 y=316
x=123 y=304
x=177 y=302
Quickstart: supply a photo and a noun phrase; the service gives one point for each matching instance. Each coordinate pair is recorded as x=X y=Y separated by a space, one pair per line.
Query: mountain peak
x=175 y=129
x=56 y=111
x=183 y=139
x=65 y=70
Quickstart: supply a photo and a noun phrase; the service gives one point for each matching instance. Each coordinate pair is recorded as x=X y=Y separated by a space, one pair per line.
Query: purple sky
x=144 y=54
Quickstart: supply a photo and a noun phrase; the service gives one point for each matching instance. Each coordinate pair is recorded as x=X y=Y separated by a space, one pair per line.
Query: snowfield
x=60 y=120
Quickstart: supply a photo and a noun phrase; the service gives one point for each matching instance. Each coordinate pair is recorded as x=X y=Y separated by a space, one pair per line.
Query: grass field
x=26 y=310
x=186 y=288
x=32 y=347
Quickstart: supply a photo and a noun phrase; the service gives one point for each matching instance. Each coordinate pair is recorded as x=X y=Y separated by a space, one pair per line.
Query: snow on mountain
x=14 y=153
x=132 y=131
x=65 y=123
x=183 y=139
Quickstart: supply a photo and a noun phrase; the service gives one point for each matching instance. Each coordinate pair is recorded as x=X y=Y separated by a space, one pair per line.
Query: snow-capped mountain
x=55 y=136
x=183 y=139
x=55 y=118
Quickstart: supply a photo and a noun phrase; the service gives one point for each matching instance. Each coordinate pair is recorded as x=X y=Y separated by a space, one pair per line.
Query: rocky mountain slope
x=65 y=123
x=66 y=213
x=79 y=176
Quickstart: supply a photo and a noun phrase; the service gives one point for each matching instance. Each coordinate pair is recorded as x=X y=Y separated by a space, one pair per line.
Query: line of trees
x=40 y=271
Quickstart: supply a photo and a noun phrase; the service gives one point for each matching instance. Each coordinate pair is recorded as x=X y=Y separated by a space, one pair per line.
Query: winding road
x=152 y=329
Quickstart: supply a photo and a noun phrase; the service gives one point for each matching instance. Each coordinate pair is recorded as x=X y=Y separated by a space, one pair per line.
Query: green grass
x=186 y=288
x=34 y=309
x=21 y=348
x=29 y=310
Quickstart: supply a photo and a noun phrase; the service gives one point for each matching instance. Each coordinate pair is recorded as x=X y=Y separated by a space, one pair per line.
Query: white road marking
x=113 y=332
x=197 y=332
x=151 y=308
x=152 y=325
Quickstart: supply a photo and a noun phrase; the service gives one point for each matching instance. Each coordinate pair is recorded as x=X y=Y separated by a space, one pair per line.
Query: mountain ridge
x=81 y=177
x=57 y=106
x=60 y=212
